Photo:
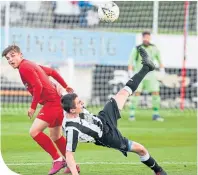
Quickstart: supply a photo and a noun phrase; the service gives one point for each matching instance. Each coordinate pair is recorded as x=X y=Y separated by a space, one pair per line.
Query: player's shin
x=46 y=143
x=61 y=145
x=144 y=156
x=156 y=104
x=134 y=82
x=150 y=162
x=122 y=96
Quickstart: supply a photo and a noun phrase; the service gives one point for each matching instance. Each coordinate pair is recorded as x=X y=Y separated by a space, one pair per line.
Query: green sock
x=155 y=111
x=134 y=101
x=132 y=111
x=156 y=104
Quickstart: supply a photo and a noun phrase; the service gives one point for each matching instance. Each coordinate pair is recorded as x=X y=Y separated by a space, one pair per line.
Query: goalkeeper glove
x=162 y=71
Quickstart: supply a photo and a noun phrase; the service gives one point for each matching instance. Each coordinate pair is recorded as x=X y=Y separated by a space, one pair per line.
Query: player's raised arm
x=53 y=73
x=32 y=78
x=72 y=141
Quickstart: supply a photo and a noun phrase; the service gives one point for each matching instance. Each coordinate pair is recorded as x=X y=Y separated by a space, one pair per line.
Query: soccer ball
x=108 y=12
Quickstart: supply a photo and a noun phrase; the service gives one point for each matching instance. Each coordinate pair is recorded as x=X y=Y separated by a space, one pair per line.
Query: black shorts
x=111 y=137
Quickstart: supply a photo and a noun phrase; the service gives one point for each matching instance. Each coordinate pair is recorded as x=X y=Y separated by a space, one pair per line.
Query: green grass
x=172 y=143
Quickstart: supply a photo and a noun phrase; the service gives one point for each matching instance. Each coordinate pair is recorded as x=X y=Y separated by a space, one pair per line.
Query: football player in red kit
x=36 y=80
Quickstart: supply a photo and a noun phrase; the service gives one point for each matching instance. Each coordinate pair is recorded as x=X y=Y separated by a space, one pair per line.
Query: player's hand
x=31 y=112
x=60 y=90
x=69 y=90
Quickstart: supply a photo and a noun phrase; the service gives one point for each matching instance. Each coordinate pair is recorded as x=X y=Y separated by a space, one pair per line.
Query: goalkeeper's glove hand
x=162 y=71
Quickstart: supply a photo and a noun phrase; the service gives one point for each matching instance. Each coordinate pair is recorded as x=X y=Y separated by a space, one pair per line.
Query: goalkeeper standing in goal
x=150 y=83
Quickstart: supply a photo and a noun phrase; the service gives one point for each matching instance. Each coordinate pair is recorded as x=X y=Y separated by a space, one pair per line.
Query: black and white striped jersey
x=81 y=129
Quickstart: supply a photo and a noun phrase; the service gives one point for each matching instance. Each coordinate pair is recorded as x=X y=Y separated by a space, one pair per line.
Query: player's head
x=72 y=104
x=13 y=55
x=146 y=38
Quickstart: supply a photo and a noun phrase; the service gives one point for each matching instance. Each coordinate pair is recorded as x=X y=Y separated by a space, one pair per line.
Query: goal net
x=92 y=56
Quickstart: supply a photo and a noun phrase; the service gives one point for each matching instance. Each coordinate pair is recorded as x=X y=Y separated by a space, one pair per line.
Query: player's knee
x=55 y=137
x=33 y=132
x=142 y=150
x=138 y=149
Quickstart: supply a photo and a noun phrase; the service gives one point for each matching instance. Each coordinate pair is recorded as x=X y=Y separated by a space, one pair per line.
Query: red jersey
x=36 y=80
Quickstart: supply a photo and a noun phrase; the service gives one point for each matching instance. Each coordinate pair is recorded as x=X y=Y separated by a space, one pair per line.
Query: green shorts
x=149 y=85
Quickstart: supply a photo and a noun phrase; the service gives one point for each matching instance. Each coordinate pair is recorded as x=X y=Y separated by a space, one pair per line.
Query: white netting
x=51 y=32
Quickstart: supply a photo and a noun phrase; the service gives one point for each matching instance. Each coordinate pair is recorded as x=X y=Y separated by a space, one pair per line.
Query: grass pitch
x=172 y=143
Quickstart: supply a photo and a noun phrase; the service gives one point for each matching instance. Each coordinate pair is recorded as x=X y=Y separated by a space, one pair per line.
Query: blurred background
x=92 y=56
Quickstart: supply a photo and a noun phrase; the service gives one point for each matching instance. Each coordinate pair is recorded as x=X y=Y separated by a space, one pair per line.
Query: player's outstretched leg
x=145 y=59
x=133 y=82
x=148 y=66
x=146 y=158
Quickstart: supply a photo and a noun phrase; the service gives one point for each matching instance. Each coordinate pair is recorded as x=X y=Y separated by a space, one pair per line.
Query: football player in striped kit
x=102 y=129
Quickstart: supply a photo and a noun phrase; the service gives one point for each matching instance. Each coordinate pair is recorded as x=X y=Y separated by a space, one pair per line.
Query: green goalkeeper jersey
x=135 y=58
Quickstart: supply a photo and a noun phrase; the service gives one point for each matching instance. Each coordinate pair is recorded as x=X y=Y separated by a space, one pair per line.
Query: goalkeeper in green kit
x=150 y=82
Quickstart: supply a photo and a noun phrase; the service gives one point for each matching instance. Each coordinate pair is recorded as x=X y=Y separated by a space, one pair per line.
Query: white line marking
x=102 y=163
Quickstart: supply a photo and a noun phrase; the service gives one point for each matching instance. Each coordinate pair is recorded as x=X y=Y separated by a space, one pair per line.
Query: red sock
x=46 y=143
x=61 y=144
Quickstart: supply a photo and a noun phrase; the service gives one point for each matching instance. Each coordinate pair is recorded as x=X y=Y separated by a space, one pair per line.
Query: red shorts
x=52 y=113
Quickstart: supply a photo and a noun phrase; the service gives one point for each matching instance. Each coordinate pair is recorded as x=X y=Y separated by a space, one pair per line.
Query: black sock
x=151 y=163
x=134 y=82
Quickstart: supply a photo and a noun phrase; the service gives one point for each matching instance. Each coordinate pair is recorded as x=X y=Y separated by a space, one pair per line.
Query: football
x=108 y=12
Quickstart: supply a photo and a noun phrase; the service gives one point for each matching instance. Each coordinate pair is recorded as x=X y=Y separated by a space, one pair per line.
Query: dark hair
x=11 y=48
x=67 y=102
x=146 y=33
